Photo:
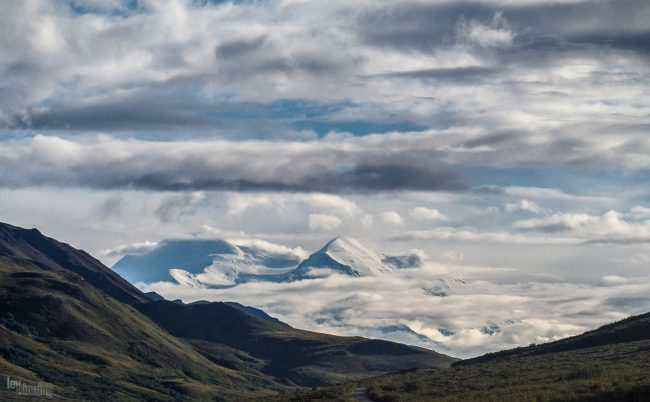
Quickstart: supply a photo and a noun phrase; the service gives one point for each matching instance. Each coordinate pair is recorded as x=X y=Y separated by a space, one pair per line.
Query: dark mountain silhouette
x=303 y=357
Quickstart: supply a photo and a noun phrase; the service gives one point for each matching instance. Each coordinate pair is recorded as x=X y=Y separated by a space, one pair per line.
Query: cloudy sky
x=501 y=134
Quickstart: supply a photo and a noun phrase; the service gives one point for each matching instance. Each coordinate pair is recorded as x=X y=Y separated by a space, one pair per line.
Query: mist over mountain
x=219 y=263
x=302 y=193
x=204 y=263
x=64 y=314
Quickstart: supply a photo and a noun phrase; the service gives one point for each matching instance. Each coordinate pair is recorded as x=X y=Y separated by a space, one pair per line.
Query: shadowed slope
x=31 y=246
x=305 y=358
x=56 y=327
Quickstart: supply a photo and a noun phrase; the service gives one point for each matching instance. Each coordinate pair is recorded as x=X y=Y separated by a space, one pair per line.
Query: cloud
x=107 y=163
x=472 y=235
x=447 y=307
x=640 y=212
x=324 y=222
x=611 y=227
x=428 y=214
x=391 y=218
x=495 y=34
x=243 y=119
x=523 y=205
x=271 y=248
x=135 y=248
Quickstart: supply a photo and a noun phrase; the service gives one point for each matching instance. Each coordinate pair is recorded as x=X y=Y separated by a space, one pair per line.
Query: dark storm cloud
x=423 y=26
x=389 y=177
x=222 y=165
x=238 y=48
x=459 y=73
x=132 y=113
x=361 y=179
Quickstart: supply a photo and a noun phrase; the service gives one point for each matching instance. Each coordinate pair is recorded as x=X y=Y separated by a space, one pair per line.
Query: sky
x=504 y=141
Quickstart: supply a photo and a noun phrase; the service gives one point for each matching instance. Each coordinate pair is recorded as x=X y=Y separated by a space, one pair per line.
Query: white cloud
x=609 y=280
x=472 y=235
x=427 y=214
x=391 y=218
x=324 y=222
x=639 y=212
x=273 y=248
x=609 y=227
x=135 y=248
x=523 y=205
x=496 y=34
x=477 y=313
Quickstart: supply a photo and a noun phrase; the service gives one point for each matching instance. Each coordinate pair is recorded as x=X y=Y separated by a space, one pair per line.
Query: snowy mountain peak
x=343 y=255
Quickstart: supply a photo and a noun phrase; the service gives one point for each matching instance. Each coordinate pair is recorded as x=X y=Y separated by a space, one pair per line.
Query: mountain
x=221 y=264
x=261 y=314
x=70 y=322
x=302 y=357
x=29 y=245
x=611 y=363
x=204 y=263
x=341 y=255
x=58 y=329
x=255 y=312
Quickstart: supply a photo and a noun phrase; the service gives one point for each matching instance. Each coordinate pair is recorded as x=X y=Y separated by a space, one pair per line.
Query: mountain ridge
x=342 y=255
x=32 y=246
x=55 y=299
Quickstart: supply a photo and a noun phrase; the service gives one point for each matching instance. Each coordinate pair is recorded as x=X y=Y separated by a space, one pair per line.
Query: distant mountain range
x=218 y=263
x=69 y=322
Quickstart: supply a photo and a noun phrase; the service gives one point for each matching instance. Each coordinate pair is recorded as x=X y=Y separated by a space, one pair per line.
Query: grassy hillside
x=68 y=320
x=611 y=363
x=30 y=246
x=631 y=329
x=603 y=373
x=58 y=329
x=302 y=357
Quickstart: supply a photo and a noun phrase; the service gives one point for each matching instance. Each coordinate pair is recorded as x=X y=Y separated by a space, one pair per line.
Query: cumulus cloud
x=391 y=218
x=523 y=205
x=324 y=222
x=427 y=214
x=135 y=248
x=611 y=227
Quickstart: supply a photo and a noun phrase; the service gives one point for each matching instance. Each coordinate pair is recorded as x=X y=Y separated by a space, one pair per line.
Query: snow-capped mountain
x=204 y=263
x=219 y=263
x=342 y=255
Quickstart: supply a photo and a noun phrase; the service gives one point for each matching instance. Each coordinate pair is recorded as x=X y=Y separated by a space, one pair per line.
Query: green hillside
x=302 y=357
x=611 y=363
x=57 y=328
x=68 y=321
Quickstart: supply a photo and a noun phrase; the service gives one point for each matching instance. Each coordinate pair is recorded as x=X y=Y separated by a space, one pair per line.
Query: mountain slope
x=611 y=363
x=341 y=255
x=632 y=329
x=305 y=358
x=31 y=246
x=70 y=321
x=57 y=328
x=203 y=263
